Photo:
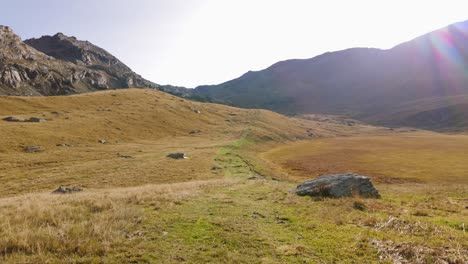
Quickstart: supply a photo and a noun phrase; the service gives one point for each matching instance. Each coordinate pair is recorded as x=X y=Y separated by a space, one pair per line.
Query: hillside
x=364 y=83
x=59 y=65
x=143 y=123
x=230 y=200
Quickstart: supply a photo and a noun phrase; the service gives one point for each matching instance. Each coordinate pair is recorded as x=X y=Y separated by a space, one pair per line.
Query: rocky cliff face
x=84 y=53
x=59 y=65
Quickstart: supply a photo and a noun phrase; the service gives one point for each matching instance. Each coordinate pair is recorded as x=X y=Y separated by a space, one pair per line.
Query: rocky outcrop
x=60 y=65
x=65 y=190
x=339 y=185
x=86 y=54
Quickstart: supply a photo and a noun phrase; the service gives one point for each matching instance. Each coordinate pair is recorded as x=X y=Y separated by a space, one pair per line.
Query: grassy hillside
x=144 y=124
x=148 y=208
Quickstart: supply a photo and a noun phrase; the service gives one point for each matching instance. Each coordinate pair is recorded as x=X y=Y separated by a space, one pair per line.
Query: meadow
x=152 y=209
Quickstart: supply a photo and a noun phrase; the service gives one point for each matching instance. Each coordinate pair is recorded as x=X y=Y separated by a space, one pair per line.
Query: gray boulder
x=177 y=155
x=338 y=185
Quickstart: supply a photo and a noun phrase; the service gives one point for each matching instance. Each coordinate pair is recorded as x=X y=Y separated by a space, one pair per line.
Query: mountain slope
x=358 y=82
x=86 y=54
x=67 y=66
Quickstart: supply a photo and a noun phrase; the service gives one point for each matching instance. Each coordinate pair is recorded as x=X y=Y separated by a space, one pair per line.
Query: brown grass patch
x=84 y=224
x=413 y=158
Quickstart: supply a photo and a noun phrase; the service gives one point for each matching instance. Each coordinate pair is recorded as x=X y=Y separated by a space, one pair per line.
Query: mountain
x=59 y=65
x=365 y=83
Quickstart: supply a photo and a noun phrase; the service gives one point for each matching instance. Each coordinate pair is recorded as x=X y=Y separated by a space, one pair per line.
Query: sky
x=197 y=42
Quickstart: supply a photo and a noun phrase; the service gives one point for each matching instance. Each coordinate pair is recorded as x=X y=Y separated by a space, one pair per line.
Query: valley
x=230 y=200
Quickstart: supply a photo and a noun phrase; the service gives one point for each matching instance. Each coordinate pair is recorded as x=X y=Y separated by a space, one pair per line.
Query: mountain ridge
x=356 y=82
x=60 y=65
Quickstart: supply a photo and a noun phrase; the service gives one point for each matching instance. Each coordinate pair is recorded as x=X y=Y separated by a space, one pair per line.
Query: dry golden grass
x=151 y=209
x=89 y=224
x=145 y=124
x=414 y=157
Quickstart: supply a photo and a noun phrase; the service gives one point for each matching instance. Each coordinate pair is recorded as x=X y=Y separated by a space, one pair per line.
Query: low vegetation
x=230 y=201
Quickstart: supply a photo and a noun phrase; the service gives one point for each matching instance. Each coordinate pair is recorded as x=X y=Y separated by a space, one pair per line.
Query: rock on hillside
x=59 y=65
x=339 y=185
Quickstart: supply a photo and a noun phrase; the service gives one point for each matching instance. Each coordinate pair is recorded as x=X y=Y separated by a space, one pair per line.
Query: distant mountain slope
x=59 y=65
x=86 y=54
x=358 y=82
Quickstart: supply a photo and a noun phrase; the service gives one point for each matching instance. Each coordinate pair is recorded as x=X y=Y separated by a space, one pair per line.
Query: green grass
x=261 y=222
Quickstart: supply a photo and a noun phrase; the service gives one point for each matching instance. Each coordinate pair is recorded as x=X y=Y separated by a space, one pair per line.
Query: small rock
x=164 y=233
x=32 y=149
x=216 y=168
x=64 y=145
x=195 y=110
x=102 y=141
x=338 y=185
x=125 y=156
x=256 y=177
x=177 y=155
x=35 y=120
x=193 y=132
x=13 y=119
x=64 y=190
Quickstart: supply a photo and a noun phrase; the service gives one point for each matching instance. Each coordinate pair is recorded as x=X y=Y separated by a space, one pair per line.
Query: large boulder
x=339 y=185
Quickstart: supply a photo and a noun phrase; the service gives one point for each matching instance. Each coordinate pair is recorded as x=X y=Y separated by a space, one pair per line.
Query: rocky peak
x=6 y=31
x=11 y=47
x=63 y=47
x=59 y=64
x=7 y=37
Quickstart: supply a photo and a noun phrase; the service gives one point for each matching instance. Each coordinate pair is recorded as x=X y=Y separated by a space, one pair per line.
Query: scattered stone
x=20 y=119
x=257 y=215
x=177 y=155
x=164 y=233
x=193 y=132
x=125 y=156
x=256 y=177
x=195 y=110
x=64 y=145
x=102 y=141
x=216 y=168
x=338 y=185
x=32 y=149
x=35 y=120
x=13 y=119
x=65 y=190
